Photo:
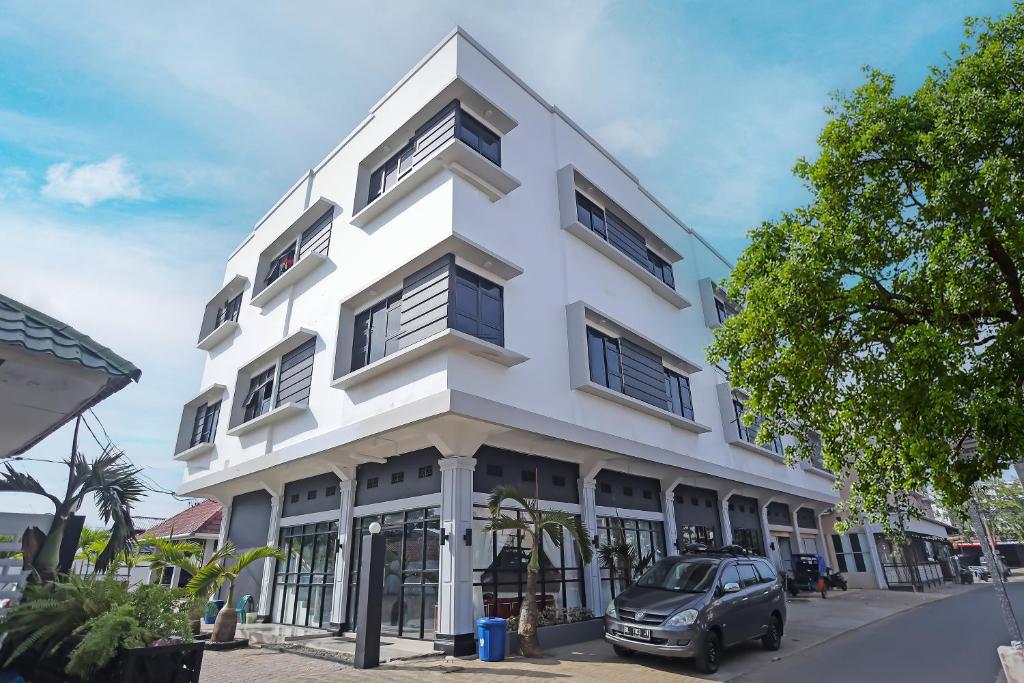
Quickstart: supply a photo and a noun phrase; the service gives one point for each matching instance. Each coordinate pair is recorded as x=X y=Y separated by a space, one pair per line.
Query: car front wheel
x=710 y=653
x=772 y=639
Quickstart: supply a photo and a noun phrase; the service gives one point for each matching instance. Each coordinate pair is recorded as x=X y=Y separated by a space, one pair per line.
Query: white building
x=469 y=290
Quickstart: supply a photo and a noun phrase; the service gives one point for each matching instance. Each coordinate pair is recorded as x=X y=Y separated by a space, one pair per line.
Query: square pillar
x=346 y=501
x=270 y=564
x=797 y=538
x=454 y=631
x=671 y=530
x=773 y=554
x=592 y=570
x=726 y=520
x=225 y=525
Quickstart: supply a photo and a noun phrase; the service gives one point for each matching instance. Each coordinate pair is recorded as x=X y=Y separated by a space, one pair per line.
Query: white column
x=455 y=600
x=207 y=550
x=823 y=541
x=592 y=571
x=346 y=500
x=773 y=554
x=175 y=576
x=225 y=525
x=270 y=564
x=798 y=540
x=726 y=520
x=871 y=546
x=671 y=531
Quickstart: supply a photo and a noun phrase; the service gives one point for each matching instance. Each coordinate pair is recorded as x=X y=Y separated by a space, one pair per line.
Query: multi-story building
x=469 y=291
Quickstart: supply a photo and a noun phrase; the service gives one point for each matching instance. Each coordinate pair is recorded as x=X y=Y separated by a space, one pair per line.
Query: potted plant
x=94 y=628
x=211 y=576
x=533 y=525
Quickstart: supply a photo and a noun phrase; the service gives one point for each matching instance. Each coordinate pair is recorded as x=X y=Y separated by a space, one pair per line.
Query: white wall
x=523 y=228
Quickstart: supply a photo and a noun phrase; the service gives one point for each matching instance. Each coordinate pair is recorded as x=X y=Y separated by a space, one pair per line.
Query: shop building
x=470 y=291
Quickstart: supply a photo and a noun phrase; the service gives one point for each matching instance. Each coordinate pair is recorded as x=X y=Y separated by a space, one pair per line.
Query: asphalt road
x=949 y=641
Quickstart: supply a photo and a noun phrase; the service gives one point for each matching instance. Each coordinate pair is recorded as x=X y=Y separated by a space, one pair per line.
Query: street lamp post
x=371 y=589
x=995 y=570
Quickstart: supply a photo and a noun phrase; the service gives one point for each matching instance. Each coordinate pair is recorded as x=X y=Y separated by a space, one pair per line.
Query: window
x=294 y=498
x=695 y=533
x=605 y=359
x=748 y=576
x=204 y=429
x=397 y=477
x=480 y=138
x=261 y=393
x=606 y=488
x=426 y=471
x=450 y=121
x=837 y=543
x=678 y=388
x=280 y=264
x=616 y=232
x=229 y=311
x=850 y=554
x=647 y=537
x=662 y=269
x=478 y=307
x=330 y=491
x=311 y=495
x=500 y=570
x=723 y=310
x=748 y=538
x=749 y=434
x=413 y=550
x=730 y=575
x=376 y=331
x=765 y=571
x=304 y=582
x=372 y=482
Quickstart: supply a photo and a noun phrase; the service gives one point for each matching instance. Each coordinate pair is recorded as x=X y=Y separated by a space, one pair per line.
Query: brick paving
x=811 y=621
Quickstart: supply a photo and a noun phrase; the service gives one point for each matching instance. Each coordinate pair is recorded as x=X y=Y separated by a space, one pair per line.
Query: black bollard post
x=371 y=591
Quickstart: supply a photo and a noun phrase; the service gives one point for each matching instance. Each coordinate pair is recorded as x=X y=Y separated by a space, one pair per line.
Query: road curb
x=832 y=637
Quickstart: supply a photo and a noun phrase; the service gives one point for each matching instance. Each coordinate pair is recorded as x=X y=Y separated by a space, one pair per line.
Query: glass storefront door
x=412 y=557
x=304 y=582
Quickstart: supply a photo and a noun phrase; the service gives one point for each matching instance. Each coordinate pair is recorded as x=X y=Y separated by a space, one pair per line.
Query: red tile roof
x=203 y=518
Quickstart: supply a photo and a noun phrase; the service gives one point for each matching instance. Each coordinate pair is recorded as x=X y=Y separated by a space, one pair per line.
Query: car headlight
x=682 y=618
x=611 y=611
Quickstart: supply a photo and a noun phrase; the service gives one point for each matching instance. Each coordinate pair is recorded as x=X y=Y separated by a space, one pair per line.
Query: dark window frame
x=228 y=311
x=473 y=322
x=265 y=383
x=204 y=427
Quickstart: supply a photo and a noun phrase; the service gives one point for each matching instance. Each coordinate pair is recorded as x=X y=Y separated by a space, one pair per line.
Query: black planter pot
x=179 y=663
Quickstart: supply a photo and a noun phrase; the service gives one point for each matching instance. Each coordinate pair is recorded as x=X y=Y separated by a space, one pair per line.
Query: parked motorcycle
x=835 y=580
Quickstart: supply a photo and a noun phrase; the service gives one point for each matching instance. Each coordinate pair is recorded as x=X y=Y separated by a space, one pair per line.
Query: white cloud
x=89 y=184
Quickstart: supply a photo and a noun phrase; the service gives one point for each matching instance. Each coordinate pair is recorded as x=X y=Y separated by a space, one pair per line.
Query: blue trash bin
x=490 y=639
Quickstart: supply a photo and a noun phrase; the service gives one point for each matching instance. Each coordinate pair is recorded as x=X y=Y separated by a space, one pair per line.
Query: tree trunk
x=528 y=617
x=996 y=570
x=224 y=626
x=48 y=557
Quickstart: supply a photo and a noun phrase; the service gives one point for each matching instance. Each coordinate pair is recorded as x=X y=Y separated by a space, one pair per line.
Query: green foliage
x=102 y=611
x=625 y=560
x=209 y=577
x=1002 y=504
x=888 y=314
x=537 y=522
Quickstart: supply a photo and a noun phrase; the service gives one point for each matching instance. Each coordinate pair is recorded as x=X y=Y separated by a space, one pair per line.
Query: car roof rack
x=730 y=550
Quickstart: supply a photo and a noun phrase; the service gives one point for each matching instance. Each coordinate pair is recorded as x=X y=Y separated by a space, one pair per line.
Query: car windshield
x=680 y=575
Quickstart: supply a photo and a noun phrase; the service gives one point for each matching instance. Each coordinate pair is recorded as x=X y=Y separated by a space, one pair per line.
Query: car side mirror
x=731 y=587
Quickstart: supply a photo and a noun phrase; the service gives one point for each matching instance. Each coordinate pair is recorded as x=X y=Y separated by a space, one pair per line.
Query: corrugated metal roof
x=23 y=326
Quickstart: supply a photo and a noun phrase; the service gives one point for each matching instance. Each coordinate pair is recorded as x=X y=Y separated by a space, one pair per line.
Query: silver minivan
x=696 y=605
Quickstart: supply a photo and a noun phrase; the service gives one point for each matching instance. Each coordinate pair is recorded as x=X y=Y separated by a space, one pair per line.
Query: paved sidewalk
x=811 y=621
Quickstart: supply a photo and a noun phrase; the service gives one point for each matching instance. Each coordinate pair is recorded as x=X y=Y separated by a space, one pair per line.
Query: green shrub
x=94 y=617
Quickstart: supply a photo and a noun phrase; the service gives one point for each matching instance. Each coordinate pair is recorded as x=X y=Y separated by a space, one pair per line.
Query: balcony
x=297 y=252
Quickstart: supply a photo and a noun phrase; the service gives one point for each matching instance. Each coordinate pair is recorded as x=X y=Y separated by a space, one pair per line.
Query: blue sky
x=140 y=142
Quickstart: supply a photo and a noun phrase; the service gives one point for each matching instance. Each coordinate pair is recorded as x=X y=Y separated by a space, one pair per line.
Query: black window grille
x=204 y=428
x=376 y=331
x=228 y=312
x=478 y=307
x=260 y=398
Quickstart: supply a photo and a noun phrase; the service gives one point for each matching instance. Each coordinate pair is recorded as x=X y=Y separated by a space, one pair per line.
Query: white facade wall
x=528 y=405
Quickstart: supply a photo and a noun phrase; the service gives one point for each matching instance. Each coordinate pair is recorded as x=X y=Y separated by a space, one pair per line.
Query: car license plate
x=638 y=633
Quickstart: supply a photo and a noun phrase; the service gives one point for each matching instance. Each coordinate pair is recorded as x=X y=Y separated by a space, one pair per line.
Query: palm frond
x=225 y=552
x=168 y=553
x=577 y=531
x=13 y=481
x=507 y=523
x=254 y=555
x=505 y=492
x=207 y=579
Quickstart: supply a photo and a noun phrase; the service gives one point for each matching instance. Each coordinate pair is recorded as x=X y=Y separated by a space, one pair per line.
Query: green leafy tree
x=623 y=559
x=1002 y=503
x=533 y=523
x=888 y=313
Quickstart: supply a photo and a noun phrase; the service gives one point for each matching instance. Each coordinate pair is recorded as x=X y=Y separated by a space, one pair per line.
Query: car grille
x=648 y=618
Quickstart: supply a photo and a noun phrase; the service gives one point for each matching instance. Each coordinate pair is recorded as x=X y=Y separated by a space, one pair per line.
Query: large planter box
x=560 y=634
x=160 y=664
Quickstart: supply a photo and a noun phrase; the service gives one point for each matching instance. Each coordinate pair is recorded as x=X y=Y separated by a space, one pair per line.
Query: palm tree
x=533 y=524
x=212 y=575
x=164 y=552
x=623 y=559
x=110 y=479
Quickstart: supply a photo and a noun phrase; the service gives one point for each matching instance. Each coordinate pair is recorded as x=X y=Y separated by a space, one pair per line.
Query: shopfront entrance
x=411 y=564
x=304 y=582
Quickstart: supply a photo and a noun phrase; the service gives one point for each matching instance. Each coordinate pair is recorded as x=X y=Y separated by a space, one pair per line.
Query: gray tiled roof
x=23 y=326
